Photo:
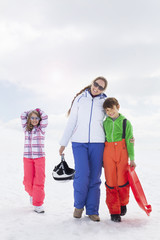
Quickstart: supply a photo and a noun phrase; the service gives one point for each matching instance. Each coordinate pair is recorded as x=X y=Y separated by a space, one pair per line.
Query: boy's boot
x=78 y=212
x=115 y=217
x=123 y=210
x=94 y=218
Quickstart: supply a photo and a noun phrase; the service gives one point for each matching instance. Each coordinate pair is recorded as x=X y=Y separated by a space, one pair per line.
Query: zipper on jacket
x=90 y=121
x=31 y=145
x=112 y=131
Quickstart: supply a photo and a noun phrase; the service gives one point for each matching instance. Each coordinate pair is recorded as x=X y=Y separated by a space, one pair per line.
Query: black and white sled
x=62 y=171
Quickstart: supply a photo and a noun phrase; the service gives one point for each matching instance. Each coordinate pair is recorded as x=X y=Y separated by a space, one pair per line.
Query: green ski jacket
x=113 y=132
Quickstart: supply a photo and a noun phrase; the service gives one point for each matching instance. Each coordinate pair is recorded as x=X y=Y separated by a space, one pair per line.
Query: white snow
x=18 y=221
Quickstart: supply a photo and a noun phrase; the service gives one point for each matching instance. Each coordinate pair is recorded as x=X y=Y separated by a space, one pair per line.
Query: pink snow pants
x=34 y=178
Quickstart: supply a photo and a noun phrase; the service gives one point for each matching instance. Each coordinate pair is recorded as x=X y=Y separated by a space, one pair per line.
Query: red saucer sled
x=138 y=190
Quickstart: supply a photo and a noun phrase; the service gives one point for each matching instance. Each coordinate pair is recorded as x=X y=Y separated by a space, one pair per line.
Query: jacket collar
x=118 y=119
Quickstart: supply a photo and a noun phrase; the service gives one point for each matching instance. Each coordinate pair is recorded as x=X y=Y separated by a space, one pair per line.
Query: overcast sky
x=49 y=50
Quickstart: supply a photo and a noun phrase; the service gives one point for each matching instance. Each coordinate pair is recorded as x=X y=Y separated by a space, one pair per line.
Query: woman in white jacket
x=85 y=130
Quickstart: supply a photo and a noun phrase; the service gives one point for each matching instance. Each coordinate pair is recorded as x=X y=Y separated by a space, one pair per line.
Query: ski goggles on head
x=98 y=86
x=35 y=118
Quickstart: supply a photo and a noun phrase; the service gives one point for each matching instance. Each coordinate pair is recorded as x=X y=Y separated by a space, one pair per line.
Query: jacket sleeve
x=71 y=124
x=43 y=121
x=24 y=116
x=129 y=135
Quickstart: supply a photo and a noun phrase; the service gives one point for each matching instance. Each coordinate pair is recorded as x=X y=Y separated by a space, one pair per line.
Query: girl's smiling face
x=34 y=119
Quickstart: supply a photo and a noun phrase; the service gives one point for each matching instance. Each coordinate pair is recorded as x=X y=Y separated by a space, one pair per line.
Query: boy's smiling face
x=113 y=112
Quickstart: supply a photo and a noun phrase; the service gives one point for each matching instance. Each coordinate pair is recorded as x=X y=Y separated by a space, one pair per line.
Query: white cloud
x=14 y=35
x=156 y=73
x=153 y=101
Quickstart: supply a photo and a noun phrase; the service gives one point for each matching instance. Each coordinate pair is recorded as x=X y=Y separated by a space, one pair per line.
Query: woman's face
x=34 y=119
x=97 y=87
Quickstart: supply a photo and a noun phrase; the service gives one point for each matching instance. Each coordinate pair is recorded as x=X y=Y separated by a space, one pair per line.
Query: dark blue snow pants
x=88 y=159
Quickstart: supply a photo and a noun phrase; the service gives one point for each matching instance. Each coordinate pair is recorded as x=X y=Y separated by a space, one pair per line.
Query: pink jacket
x=34 y=140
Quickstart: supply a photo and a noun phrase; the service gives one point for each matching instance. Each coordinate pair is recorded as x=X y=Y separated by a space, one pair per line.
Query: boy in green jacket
x=118 y=148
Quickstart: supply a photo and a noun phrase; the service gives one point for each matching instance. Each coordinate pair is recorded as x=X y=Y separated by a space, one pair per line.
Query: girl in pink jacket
x=34 y=123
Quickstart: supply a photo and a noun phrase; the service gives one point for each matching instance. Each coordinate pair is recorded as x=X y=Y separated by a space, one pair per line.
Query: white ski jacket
x=85 y=123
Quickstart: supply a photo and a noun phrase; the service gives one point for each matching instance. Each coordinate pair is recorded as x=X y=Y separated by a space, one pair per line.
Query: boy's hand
x=132 y=164
x=132 y=140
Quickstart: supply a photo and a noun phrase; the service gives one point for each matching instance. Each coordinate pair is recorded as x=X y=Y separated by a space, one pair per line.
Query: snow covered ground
x=18 y=221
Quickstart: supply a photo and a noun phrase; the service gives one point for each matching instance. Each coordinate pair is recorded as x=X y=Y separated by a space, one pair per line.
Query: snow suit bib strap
x=124 y=128
x=124 y=133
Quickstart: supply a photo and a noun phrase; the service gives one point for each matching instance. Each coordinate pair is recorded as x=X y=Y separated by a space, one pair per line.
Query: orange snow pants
x=34 y=179
x=115 y=162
